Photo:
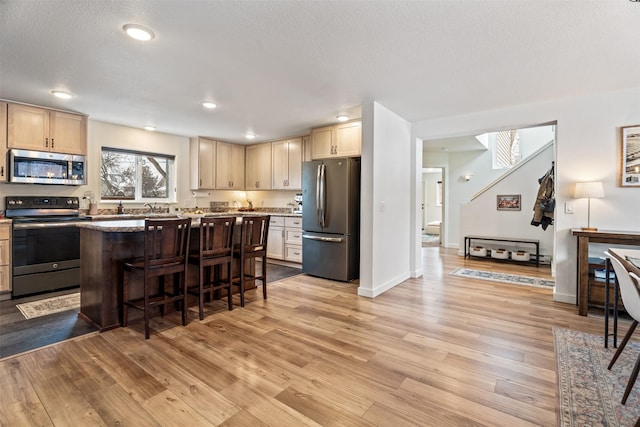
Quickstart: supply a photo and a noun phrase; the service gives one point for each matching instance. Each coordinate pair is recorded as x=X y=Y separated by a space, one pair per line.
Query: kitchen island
x=103 y=245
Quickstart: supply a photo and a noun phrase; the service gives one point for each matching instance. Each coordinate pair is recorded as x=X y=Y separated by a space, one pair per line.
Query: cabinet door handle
x=46 y=142
x=52 y=143
x=1 y=170
x=201 y=182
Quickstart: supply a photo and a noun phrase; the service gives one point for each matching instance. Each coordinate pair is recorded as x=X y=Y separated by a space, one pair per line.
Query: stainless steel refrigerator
x=331 y=218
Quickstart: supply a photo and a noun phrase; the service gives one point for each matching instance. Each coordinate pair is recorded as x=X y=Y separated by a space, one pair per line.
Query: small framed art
x=508 y=202
x=631 y=156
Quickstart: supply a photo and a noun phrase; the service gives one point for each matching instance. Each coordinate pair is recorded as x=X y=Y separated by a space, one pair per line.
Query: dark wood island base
x=103 y=245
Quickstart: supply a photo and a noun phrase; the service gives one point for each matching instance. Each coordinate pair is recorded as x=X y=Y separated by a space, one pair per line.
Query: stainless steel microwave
x=40 y=167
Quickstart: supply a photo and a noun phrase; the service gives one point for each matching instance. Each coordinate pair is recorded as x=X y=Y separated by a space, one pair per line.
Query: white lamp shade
x=590 y=190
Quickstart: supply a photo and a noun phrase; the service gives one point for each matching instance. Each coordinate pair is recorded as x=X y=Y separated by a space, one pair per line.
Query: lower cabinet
x=5 y=261
x=275 y=243
x=293 y=239
x=285 y=239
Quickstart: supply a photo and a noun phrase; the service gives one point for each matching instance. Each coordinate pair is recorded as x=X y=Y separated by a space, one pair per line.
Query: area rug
x=513 y=279
x=588 y=393
x=50 y=305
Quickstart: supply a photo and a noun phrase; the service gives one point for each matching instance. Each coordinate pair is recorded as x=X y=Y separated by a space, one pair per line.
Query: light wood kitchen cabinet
x=5 y=259
x=275 y=238
x=287 y=164
x=341 y=140
x=258 y=167
x=40 y=129
x=229 y=166
x=3 y=142
x=202 y=152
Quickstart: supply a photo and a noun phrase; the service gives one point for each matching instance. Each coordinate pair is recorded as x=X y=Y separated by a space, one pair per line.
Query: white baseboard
x=379 y=290
x=566 y=298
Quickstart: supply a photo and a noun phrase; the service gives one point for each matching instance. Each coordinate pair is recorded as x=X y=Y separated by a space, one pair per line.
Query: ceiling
x=278 y=68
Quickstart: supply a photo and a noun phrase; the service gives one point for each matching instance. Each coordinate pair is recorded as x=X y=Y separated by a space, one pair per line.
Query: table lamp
x=589 y=190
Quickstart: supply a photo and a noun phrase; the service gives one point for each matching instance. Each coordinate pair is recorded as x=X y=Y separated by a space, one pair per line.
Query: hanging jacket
x=543 y=206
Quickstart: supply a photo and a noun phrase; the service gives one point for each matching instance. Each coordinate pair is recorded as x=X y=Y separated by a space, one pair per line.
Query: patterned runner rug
x=589 y=394
x=50 y=305
x=513 y=279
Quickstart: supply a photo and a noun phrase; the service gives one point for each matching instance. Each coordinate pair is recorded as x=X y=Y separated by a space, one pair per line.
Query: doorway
x=432 y=206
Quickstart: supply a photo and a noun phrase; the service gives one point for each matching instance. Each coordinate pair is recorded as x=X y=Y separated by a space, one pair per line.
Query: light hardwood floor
x=434 y=351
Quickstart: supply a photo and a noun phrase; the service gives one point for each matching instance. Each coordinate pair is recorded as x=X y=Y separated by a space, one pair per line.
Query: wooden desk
x=600 y=236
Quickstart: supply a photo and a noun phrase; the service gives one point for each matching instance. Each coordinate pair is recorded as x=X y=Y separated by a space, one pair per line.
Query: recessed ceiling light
x=249 y=135
x=150 y=128
x=61 y=94
x=342 y=118
x=209 y=104
x=138 y=32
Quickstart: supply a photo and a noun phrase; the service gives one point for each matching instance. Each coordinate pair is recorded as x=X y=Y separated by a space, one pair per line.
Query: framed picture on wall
x=631 y=156
x=508 y=202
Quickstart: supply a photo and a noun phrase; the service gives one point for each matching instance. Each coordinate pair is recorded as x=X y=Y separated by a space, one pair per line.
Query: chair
x=215 y=251
x=631 y=301
x=254 y=232
x=166 y=242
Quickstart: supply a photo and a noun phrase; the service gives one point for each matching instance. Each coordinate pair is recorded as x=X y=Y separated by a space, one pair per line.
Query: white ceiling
x=278 y=68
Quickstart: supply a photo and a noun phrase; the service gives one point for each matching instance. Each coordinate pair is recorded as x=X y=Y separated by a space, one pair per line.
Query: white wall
x=101 y=134
x=481 y=217
x=532 y=139
x=386 y=232
x=587 y=149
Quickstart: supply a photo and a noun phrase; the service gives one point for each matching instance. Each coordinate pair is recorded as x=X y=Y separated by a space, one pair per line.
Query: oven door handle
x=41 y=225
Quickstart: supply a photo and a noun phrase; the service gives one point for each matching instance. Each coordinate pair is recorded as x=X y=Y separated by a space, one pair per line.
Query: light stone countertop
x=135 y=223
x=173 y=215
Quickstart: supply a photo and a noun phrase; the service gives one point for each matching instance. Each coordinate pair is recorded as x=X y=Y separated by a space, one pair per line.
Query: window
x=131 y=175
x=506 y=149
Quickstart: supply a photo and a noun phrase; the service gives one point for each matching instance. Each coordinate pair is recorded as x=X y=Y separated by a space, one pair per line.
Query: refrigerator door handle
x=318 y=207
x=323 y=239
x=323 y=195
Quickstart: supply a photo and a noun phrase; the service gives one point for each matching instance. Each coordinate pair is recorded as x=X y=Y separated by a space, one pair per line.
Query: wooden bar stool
x=166 y=242
x=214 y=252
x=253 y=244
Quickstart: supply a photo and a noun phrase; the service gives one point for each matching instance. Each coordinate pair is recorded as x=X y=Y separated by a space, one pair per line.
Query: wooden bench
x=533 y=242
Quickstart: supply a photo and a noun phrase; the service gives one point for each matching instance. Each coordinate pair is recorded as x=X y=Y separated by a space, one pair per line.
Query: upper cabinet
x=229 y=166
x=202 y=163
x=40 y=129
x=287 y=164
x=3 y=138
x=341 y=140
x=258 y=167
